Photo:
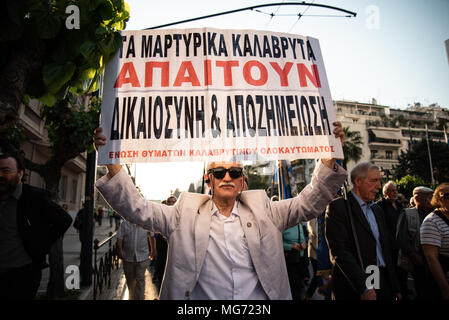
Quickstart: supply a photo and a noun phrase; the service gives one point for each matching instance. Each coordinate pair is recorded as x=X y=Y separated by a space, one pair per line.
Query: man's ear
x=207 y=180
x=21 y=172
x=357 y=181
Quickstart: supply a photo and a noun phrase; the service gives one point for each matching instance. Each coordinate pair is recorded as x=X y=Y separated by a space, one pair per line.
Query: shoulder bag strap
x=442 y=216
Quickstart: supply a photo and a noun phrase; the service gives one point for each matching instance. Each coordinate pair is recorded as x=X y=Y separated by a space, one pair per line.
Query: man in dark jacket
x=392 y=209
x=29 y=224
x=411 y=255
x=357 y=255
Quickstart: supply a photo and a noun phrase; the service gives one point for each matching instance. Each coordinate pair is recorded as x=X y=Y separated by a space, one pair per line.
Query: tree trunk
x=87 y=232
x=55 y=286
x=23 y=64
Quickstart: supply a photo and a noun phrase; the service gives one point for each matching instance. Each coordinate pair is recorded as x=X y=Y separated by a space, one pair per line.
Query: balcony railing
x=390 y=142
x=380 y=124
x=107 y=263
x=392 y=158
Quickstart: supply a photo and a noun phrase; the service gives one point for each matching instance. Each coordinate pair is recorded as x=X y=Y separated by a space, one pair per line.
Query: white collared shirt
x=227 y=272
x=135 y=242
x=369 y=215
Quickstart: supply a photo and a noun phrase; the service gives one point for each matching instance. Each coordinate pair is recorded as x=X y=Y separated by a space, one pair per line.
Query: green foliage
x=351 y=146
x=255 y=180
x=70 y=126
x=415 y=162
x=16 y=135
x=73 y=59
x=406 y=184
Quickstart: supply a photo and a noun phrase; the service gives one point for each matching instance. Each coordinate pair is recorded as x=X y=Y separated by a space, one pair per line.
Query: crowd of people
x=407 y=240
x=226 y=245
x=348 y=246
x=237 y=244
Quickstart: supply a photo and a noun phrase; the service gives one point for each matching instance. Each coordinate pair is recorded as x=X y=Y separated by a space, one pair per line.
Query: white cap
x=422 y=189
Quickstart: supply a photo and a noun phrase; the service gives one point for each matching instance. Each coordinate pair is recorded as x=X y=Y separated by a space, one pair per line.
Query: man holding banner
x=228 y=245
x=220 y=96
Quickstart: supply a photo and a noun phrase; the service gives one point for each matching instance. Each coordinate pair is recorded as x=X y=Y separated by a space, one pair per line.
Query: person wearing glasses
x=435 y=243
x=30 y=223
x=226 y=245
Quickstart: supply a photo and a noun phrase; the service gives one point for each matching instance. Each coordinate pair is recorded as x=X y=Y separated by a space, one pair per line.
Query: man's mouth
x=226 y=185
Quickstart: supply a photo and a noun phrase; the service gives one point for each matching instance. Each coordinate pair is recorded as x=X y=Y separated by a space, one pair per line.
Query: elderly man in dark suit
x=360 y=242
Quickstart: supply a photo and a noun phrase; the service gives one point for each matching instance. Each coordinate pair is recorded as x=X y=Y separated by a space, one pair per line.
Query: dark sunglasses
x=445 y=196
x=220 y=172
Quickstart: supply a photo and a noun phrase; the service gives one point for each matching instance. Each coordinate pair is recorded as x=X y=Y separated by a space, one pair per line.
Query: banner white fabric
x=216 y=95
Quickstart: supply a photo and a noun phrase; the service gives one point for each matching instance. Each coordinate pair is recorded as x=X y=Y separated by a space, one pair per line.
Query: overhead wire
x=253 y=8
x=303 y=15
x=299 y=17
x=272 y=15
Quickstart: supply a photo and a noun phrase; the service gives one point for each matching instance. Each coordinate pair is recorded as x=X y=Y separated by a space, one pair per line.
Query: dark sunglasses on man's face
x=220 y=172
x=445 y=196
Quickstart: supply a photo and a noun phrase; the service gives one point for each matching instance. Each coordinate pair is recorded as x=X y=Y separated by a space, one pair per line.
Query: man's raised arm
x=339 y=133
x=313 y=199
x=121 y=194
x=100 y=140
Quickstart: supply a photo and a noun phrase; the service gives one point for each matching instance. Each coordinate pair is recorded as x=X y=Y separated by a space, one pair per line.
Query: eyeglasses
x=7 y=170
x=220 y=172
x=445 y=196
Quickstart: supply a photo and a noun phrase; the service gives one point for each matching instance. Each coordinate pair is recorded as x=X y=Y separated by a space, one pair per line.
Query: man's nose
x=227 y=177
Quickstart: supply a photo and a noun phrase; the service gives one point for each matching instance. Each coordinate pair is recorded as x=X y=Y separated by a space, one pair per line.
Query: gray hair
x=387 y=186
x=212 y=164
x=361 y=170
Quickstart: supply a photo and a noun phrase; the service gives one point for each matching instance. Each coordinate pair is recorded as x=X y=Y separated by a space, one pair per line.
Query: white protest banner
x=215 y=95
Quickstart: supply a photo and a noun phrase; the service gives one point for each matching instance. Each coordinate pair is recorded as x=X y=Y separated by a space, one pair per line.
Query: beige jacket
x=186 y=225
x=312 y=248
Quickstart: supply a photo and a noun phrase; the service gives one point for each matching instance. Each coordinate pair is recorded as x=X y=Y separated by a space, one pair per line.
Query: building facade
x=386 y=132
x=36 y=148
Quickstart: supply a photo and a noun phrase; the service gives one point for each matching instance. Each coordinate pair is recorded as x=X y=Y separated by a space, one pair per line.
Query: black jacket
x=348 y=276
x=391 y=214
x=40 y=222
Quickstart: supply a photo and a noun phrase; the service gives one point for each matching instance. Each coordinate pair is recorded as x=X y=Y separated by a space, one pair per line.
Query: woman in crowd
x=435 y=242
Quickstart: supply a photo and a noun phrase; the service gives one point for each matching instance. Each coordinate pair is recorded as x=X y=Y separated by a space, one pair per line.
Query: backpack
x=78 y=219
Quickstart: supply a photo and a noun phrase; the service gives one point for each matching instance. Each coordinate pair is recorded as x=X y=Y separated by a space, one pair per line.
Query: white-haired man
x=227 y=245
x=391 y=206
x=392 y=209
x=366 y=243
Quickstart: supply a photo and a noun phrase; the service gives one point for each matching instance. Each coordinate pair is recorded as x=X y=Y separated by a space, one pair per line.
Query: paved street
x=72 y=248
x=151 y=292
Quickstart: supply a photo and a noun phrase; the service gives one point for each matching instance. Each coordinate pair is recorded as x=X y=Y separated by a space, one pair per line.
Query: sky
x=392 y=51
